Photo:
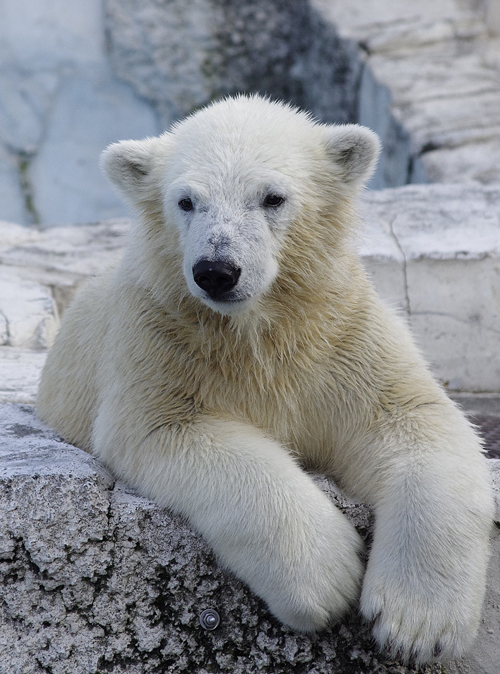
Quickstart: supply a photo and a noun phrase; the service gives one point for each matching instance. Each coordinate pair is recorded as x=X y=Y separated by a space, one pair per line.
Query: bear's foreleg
x=264 y=517
x=425 y=579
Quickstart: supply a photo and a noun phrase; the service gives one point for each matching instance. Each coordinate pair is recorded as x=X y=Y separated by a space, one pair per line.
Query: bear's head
x=242 y=181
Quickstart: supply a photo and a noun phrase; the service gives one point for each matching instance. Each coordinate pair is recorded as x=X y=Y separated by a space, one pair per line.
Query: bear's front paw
x=318 y=589
x=418 y=626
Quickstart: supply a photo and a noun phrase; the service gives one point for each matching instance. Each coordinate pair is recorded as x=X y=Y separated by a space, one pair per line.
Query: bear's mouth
x=226 y=300
x=227 y=305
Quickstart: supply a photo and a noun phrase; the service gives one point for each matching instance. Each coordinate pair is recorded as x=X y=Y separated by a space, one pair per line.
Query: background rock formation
x=76 y=77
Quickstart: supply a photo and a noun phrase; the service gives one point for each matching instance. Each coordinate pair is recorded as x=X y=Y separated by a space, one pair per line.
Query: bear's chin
x=233 y=307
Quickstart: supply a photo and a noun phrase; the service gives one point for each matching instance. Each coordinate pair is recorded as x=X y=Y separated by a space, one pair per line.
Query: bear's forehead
x=236 y=168
x=251 y=124
x=234 y=139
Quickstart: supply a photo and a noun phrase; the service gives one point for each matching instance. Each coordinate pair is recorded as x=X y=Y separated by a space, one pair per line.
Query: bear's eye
x=273 y=200
x=186 y=204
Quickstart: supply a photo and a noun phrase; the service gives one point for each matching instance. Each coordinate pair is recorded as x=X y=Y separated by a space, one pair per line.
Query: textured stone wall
x=441 y=62
x=60 y=105
x=434 y=251
x=76 y=75
x=182 y=55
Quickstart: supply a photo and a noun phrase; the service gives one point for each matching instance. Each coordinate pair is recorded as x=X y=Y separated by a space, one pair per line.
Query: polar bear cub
x=239 y=343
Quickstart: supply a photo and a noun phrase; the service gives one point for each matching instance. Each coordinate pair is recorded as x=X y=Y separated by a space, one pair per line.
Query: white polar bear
x=239 y=343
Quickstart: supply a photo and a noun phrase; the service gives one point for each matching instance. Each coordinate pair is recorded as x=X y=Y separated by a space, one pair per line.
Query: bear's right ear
x=129 y=165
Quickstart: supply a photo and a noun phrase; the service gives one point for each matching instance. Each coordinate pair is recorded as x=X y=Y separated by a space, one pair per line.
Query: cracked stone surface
x=96 y=579
x=438 y=259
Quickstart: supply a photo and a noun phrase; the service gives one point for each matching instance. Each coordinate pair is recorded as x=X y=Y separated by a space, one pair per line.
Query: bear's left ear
x=354 y=150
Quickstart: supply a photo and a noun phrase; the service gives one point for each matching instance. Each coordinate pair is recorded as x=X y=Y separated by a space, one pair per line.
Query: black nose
x=214 y=277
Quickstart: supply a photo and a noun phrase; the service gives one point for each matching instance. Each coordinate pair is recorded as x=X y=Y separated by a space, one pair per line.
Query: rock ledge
x=97 y=579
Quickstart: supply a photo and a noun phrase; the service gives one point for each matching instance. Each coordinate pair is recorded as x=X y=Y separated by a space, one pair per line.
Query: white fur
x=214 y=406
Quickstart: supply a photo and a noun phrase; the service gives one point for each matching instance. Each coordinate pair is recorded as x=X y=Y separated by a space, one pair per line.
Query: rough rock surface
x=441 y=62
x=60 y=105
x=96 y=579
x=41 y=270
x=183 y=55
x=19 y=374
x=75 y=78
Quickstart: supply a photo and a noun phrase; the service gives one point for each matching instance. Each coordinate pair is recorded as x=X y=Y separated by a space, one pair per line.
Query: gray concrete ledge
x=478 y=404
x=96 y=579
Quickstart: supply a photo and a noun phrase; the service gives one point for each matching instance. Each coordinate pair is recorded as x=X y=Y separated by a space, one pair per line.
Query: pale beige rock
x=492 y=8
x=40 y=270
x=20 y=371
x=59 y=258
x=28 y=311
x=441 y=63
x=357 y=18
x=448 y=251
x=76 y=251
x=383 y=257
x=477 y=162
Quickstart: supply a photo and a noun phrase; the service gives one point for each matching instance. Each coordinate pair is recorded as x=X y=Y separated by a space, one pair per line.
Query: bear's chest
x=298 y=392
x=295 y=399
